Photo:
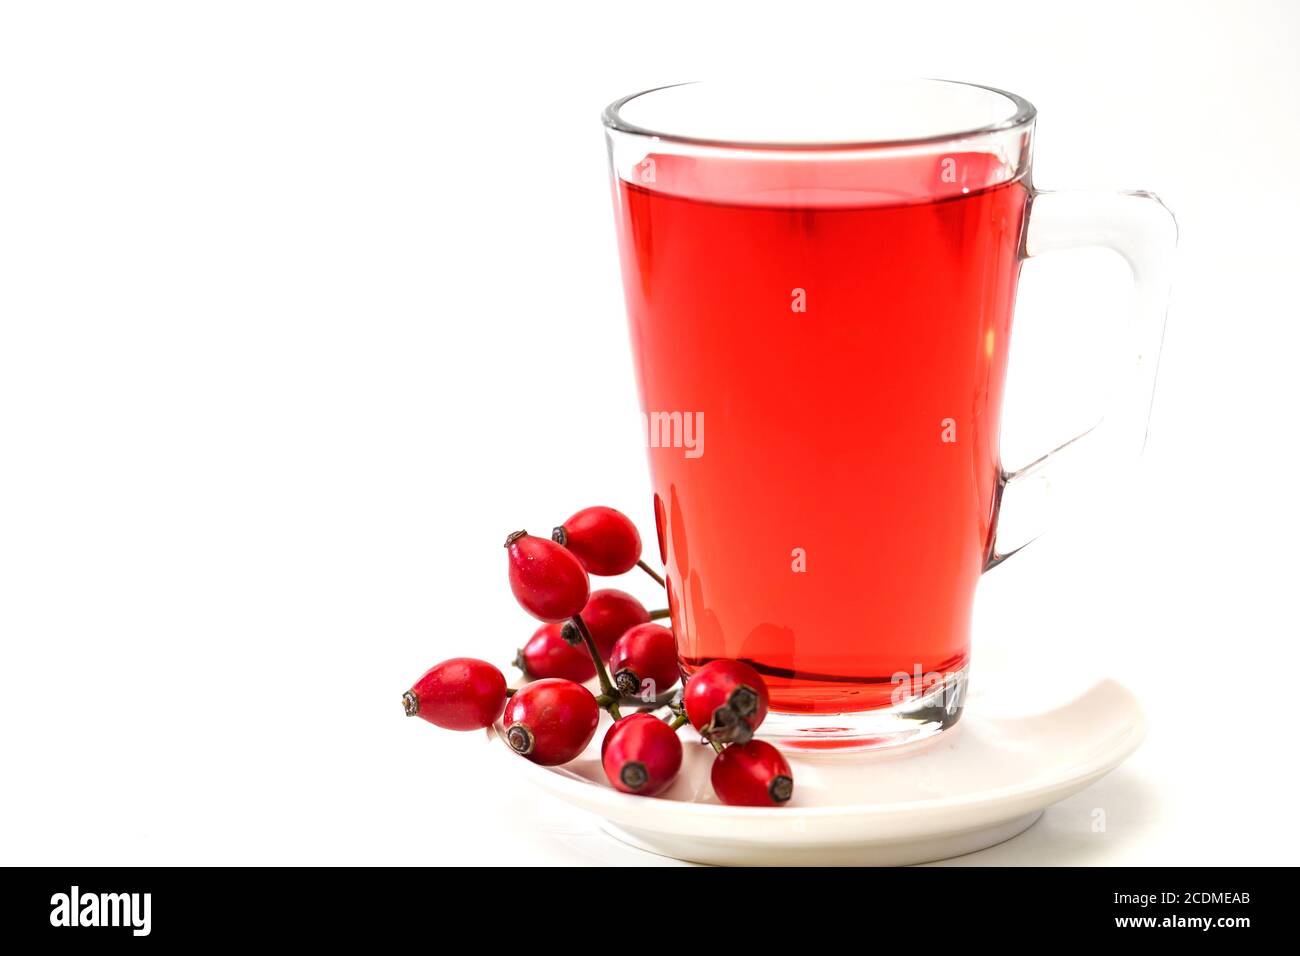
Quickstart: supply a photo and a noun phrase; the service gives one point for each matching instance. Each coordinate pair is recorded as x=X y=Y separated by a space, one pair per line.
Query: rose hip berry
x=608 y=614
x=550 y=721
x=752 y=775
x=605 y=541
x=647 y=652
x=459 y=694
x=726 y=701
x=547 y=580
x=641 y=754
x=548 y=654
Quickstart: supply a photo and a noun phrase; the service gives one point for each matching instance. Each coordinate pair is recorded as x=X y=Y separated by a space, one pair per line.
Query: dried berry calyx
x=627 y=683
x=520 y=739
x=781 y=788
x=727 y=727
x=743 y=700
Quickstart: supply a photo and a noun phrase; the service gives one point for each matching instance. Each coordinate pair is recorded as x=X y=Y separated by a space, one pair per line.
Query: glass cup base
x=917 y=719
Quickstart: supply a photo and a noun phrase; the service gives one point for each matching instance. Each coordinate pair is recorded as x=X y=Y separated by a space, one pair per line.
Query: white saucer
x=979 y=783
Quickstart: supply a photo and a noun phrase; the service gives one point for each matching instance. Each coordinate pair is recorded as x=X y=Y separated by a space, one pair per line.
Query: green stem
x=660 y=614
x=663 y=700
x=652 y=572
x=607 y=688
x=681 y=720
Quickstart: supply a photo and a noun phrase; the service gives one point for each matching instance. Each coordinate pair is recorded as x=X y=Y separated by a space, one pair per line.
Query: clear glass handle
x=1140 y=228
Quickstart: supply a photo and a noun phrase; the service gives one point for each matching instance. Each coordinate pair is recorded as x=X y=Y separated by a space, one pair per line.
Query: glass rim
x=1024 y=115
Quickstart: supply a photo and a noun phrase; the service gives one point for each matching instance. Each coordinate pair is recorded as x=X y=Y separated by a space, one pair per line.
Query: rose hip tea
x=846 y=355
x=820 y=334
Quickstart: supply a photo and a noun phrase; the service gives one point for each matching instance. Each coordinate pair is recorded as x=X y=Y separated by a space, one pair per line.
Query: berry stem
x=663 y=700
x=607 y=689
x=681 y=720
x=660 y=613
x=652 y=572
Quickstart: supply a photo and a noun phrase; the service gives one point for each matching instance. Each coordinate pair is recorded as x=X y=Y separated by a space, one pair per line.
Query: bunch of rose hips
x=551 y=719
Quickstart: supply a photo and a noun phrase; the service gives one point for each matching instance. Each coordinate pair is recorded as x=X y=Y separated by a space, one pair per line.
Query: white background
x=304 y=306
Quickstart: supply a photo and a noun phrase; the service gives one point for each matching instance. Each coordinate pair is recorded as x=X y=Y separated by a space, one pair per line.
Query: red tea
x=821 y=366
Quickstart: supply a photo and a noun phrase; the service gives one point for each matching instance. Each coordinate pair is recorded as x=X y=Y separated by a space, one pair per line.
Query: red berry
x=605 y=541
x=459 y=694
x=647 y=652
x=547 y=580
x=752 y=775
x=641 y=754
x=726 y=701
x=608 y=615
x=548 y=654
x=550 y=721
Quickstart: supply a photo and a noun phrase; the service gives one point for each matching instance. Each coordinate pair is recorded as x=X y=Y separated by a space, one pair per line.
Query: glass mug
x=819 y=290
